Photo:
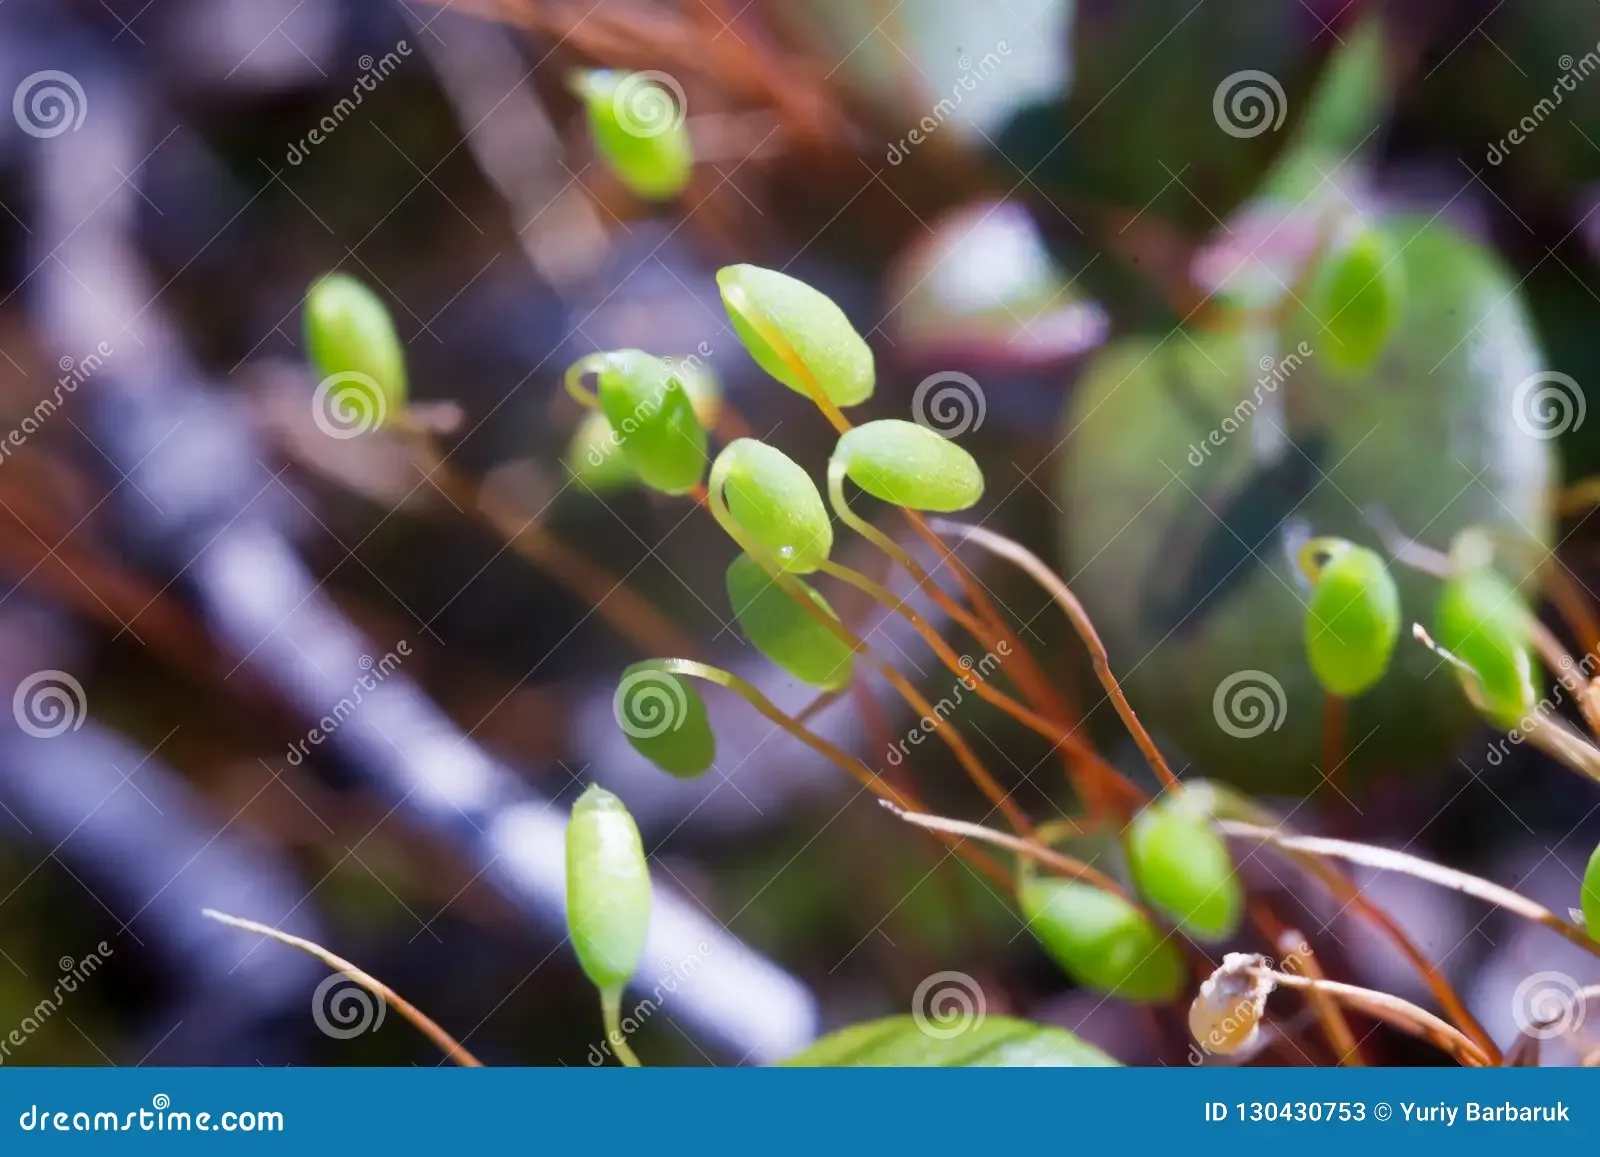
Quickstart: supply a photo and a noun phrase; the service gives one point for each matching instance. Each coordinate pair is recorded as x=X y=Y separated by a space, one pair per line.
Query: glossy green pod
x=1481 y=620
x=608 y=889
x=653 y=419
x=665 y=720
x=357 y=355
x=1182 y=866
x=1102 y=941
x=774 y=502
x=827 y=345
x=1352 y=619
x=636 y=120
x=909 y=465
x=783 y=631
x=1354 y=300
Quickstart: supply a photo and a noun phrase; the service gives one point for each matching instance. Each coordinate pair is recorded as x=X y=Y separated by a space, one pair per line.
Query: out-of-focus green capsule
x=1356 y=294
x=775 y=503
x=909 y=465
x=354 y=349
x=1481 y=620
x=608 y=889
x=1353 y=618
x=783 y=631
x=1182 y=867
x=1102 y=941
x=665 y=720
x=595 y=455
x=650 y=412
x=636 y=119
x=1591 y=896
x=815 y=329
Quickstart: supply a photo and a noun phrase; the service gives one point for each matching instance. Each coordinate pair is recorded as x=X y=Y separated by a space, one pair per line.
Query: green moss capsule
x=595 y=455
x=1353 y=617
x=1591 y=896
x=353 y=348
x=653 y=419
x=1355 y=297
x=783 y=631
x=909 y=465
x=608 y=889
x=773 y=502
x=1102 y=941
x=1481 y=620
x=1183 y=868
x=837 y=358
x=701 y=384
x=636 y=120
x=665 y=720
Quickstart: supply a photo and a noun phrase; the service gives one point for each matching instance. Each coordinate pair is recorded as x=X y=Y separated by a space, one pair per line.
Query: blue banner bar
x=810 y=1111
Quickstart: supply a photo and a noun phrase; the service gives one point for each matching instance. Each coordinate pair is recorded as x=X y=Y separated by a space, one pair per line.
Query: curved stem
x=1068 y=866
x=1402 y=1014
x=576 y=372
x=892 y=795
x=942 y=727
x=1036 y=569
x=1058 y=736
x=611 y=1015
x=1388 y=860
x=452 y=1048
x=1224 y=803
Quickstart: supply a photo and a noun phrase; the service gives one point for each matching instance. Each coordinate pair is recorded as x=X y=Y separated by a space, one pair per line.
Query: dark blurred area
x=196 y=574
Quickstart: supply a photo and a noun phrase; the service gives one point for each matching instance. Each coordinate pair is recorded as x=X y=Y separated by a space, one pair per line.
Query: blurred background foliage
x=1061 y=204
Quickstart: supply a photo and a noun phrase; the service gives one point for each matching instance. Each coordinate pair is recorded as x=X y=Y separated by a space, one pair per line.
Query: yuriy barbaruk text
x=158 y=1118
